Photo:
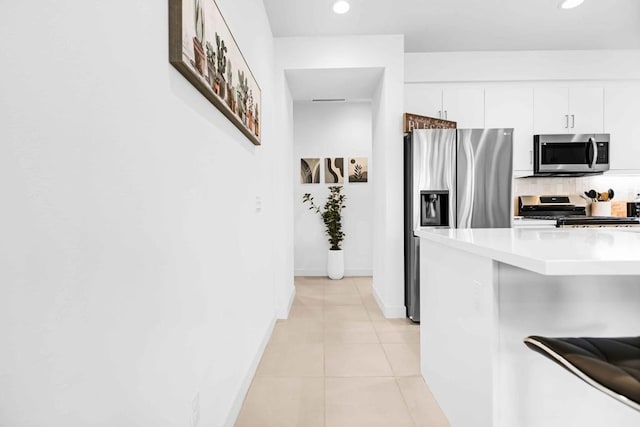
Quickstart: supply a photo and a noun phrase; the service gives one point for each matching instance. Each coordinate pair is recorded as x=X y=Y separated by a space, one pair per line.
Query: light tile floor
x=338 y=362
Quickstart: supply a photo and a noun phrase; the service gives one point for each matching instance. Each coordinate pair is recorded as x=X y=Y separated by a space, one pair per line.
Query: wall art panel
x=203 y=49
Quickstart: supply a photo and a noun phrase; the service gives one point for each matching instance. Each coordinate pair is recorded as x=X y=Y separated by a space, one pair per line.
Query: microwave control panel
x=603 y=153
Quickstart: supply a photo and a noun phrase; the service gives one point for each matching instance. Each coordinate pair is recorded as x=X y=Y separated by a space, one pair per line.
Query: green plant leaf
x=331 y=214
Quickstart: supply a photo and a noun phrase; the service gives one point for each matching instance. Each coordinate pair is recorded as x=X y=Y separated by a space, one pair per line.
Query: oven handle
x=594 y=145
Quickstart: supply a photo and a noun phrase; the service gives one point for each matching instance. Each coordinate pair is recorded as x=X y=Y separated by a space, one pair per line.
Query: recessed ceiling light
x=570 y=4
x=341 y=7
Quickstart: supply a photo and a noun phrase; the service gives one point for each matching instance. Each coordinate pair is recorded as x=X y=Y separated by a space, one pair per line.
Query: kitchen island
x=482 y=291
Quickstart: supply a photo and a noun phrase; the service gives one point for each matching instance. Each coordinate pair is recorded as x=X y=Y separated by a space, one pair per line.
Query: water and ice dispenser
x=434 y=208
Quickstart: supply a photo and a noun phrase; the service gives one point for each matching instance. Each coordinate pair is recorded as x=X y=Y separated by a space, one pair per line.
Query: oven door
x=571 y=154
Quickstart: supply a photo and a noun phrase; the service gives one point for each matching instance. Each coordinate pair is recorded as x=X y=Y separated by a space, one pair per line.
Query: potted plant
x=220 y=84
x=257 y=120
x=211 y=67
x=198 y=49
x=230 y=90
x=331 y=215
x=243 y=95
x=250 y=110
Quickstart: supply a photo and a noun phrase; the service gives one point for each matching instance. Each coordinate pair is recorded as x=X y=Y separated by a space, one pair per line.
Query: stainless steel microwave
x=570 y=154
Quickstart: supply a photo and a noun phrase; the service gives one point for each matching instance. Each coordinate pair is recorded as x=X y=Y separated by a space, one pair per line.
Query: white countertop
x=602 y=251
x=519 y=221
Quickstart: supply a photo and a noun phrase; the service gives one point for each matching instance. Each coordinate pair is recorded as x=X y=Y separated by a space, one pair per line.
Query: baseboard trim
x=234 y=412
x=283 y=312
x=348 y=273
x=390 y=312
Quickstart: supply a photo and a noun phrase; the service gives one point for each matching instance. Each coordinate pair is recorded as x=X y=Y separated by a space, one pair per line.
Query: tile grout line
x=404 y=400
x=395 y=378
x=324 y=356
x=370 y=320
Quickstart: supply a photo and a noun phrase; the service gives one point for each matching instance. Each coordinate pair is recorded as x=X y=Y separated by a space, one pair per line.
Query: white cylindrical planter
x=601 y=209
x=335 y=264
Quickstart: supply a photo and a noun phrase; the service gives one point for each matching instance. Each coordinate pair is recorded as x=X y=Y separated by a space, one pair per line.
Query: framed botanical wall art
x=310 y=171
x=358 y=169
x=334 y=170
x=203 y=49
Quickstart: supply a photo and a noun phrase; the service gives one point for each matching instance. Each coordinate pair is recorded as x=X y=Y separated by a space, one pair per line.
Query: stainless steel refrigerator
x=453 y=178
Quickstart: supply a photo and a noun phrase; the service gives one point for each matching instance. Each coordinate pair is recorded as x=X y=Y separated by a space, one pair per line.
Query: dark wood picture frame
x=212 y=70
x=415 y=121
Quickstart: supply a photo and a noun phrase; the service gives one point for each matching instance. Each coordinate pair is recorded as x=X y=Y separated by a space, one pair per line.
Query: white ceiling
x=468 y=25
x=351 y=84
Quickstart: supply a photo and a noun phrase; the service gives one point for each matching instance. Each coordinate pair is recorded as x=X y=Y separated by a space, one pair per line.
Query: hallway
x=338 y=362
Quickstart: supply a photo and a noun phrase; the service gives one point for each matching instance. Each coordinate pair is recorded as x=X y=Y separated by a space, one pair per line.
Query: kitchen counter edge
x=520 y=248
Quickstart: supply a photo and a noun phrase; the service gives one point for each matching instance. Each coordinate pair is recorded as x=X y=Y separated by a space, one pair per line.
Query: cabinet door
x=551 y=110
x=423 y=100
x=512 y=107
x=621 y=120
x=586 y=110
x=464 y=106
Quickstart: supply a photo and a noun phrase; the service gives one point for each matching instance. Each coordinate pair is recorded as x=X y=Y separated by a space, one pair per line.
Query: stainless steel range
x=568 y=212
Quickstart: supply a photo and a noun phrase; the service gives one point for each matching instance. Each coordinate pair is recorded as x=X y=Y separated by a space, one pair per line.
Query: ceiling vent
x=329 y=100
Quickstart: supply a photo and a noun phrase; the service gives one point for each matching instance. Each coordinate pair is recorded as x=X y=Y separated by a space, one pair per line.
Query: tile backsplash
x=625 y=186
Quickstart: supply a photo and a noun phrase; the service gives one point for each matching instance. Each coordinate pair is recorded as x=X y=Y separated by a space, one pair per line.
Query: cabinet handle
x=439 y=114
x=530 y=157
x=446 y=116
x=573 y=121
x=566 y=117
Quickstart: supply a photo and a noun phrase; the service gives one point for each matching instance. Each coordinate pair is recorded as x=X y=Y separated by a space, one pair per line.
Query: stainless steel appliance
x=570 y=154
x=453 y=178
x=633 y=209
x=568 y=212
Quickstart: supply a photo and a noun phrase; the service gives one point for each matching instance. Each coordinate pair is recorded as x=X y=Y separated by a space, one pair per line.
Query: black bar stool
x=612 y=365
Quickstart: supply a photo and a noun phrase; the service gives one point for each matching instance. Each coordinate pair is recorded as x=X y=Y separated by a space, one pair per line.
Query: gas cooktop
x=568 y=212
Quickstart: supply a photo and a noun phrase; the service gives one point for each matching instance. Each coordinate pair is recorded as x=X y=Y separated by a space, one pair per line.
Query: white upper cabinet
x=622 y=121
x=512 y=107
x=586 y=110
x=462 y=105
x=551 y=110
x=568 y=110
x=423 y=100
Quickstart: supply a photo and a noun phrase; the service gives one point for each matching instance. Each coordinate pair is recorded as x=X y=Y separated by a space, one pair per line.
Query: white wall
x=135 y=271
x=385 y=52
x=522 y=66
x=324 y=130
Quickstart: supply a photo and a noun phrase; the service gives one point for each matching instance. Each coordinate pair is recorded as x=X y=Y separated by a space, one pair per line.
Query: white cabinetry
x=568 y=110
x=551 y=110
x=586 y=109
x=423 y=100
x=512 y=107
x=462 y=105
x=622 y=121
